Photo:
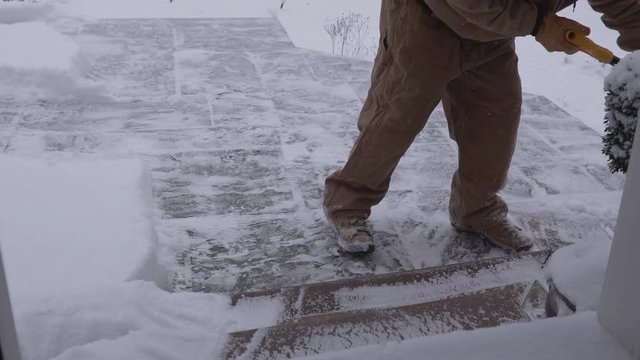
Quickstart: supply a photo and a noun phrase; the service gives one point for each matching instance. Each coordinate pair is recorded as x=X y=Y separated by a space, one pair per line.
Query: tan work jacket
x=488 y=20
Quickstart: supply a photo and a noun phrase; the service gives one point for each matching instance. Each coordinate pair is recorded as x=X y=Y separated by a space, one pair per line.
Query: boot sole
x=493 y=242
x=356 y=250
x=356 y=254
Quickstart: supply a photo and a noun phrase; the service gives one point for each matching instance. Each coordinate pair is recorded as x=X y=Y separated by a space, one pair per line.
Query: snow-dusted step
x=331 y=331
x=376 y=309
x=405 y=288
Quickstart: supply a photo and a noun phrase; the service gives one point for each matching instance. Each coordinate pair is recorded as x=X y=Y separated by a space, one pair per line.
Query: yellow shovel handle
x=587 y=46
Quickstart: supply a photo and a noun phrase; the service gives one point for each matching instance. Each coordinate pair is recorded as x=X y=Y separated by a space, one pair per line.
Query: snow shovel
x=588 y=47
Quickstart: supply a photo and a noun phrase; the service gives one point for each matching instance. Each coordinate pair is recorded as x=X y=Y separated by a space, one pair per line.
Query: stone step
x=404 y=288
x=336 y=315
x=333 y=331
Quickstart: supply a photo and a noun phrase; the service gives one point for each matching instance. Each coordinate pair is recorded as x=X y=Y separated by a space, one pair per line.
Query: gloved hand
x=552 y=33
x=629 y=39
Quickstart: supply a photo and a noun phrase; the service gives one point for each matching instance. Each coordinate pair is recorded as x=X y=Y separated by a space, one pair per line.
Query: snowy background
x=78 y=231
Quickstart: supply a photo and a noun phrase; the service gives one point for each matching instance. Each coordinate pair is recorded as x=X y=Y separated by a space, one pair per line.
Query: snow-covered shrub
x=622 y=104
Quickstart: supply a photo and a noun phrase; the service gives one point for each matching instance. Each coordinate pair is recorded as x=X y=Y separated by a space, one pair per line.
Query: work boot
x=499 y=231
x=353 y=234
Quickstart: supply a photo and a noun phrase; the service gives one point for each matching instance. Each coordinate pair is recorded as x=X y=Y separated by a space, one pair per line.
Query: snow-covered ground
x=87 y=211
x=80 y=251
x=62 y=214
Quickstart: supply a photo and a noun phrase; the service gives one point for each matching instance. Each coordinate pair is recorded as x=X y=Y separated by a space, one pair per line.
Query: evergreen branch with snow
x=621 y=119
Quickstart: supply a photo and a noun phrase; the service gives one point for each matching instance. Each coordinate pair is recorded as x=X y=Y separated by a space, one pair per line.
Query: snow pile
x=79 y=248
x=20 y=11
x=135 y=320
x=86 y=212
x=623 y=102
x=69 y=228
x=36 y=46
x=579 y=270
x=37 y=61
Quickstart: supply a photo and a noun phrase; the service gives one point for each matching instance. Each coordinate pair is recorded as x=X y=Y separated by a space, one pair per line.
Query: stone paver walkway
x=239 y=129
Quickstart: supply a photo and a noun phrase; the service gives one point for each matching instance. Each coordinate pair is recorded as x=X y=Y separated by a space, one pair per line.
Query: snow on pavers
x=239 y=129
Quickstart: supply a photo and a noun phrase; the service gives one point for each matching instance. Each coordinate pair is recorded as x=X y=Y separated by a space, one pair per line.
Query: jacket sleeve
x=618 y=14
x=505 y=17
x=624 y=16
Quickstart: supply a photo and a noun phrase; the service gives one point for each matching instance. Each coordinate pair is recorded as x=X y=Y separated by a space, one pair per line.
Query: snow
x=36 y=46
x=438 y=288
x=79 y=248
x=578 y=271
x=574 y=337
x=623 y=76
x=135 y=320
x=85 y=211
x=38 y=61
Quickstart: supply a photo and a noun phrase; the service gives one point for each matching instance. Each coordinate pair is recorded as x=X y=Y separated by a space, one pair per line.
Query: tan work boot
x=353 y=234
x=500 y=232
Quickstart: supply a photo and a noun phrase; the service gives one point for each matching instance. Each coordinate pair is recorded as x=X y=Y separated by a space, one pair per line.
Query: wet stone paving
x=239 y=129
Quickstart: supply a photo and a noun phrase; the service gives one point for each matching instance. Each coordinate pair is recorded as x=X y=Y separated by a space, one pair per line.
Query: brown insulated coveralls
x=463 y=54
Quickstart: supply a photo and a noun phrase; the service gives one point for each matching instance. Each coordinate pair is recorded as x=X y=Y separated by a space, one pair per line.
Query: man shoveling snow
x=460 y=52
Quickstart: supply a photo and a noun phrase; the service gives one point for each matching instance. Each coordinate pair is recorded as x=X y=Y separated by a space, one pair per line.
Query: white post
x=619 y=310
x=9 y=348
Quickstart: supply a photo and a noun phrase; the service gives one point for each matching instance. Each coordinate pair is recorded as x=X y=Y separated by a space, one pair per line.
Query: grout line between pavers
x=298 y=198
x=177 y=74
x=210 y=106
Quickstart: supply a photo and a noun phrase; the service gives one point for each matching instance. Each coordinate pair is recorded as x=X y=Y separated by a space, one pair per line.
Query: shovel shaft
x=587 y=46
